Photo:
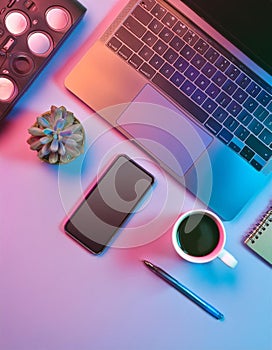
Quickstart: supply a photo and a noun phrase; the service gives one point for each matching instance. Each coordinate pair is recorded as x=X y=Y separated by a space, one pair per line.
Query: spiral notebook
x=260 y=238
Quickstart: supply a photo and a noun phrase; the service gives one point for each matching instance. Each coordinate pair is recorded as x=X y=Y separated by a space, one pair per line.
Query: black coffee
x=198 y=235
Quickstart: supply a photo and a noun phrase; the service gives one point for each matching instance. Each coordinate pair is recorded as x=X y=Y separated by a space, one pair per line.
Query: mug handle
x=227 y=258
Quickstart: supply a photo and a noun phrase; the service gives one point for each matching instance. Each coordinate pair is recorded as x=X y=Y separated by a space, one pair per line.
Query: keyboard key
x=209 y=105
x=180 y=28
x=160 y=47
x=261 y=113
x=147 y=71
x=268 y=122
x=208 y=70
x=190 y=37
x=240 y=95
x=129 y=39
x=231 y=124
x=114 y=44
x=148 y=4
x=181 y=64
x=223 y=99
x=182 y=100
x=169 y=20
x=253 y=89
x=188 y=88
x=264 y=98
x=212 y=125
x=156 y=62
x=255 y=126
x=212 y=90
x=234 y=108
x=142 y=15
x=235 y=147
x=222 y=63
x=250 y=104
x=258 y=147
x=159 y=11
x=155 y=26
x=220 y=114
x=247 y=153
x=211 y=55
x=266 y=137
x=244 y=117
x=201 y=46
x=256 y=165
x=167 y=70
x=202 y=82
x=134 y=26
x=177 y=43
x=177 y=79
x=170 y=55
x=232 y=72
x=199 y=96
x=269 y=107
x=225 y=136
x=146 y=53
x=198 y=61
x=243 y=80
x=230 y=87
x=187 y=52
x=135 y=61
x=125 y=52
x=166 y=35
x=191 y=73
x=241 y=132
x=219 y=78
x=149 y=38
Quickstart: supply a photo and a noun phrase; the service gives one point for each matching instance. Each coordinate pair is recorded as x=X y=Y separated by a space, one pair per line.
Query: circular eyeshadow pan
x=58 y=18
x=39 y=43
x=16 y=23
x=7 y=89
x=22 y=64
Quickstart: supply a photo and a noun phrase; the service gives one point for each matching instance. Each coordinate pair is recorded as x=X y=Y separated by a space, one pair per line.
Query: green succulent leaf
x=59 y=124
x=45 y=150
x=53 y=158
x=46 y=139
x=62 y=149
x=35 y=131
x=77 y=137
x=35 y=145
x=43 y=122
x=54 y=145
x=48 y=131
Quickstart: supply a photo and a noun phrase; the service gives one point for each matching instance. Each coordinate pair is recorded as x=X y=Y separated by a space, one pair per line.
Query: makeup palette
x=30 y=33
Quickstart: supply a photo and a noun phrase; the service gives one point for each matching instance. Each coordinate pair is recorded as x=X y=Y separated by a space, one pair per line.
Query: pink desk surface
x=54 y=295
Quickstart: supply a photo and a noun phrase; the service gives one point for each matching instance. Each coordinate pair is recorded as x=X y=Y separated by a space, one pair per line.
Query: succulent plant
x=57 y=136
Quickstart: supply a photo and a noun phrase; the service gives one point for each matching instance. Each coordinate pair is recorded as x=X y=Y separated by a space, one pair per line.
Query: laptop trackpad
x=164 y=131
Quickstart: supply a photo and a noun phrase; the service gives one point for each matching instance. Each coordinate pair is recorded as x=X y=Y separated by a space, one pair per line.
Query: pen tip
x=221 y=317
x=147 y=263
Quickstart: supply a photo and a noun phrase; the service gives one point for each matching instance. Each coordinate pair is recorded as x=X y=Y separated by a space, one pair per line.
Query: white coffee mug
x=199 y=236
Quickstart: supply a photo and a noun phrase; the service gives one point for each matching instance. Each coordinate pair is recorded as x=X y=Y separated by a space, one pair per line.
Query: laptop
x=190 y=83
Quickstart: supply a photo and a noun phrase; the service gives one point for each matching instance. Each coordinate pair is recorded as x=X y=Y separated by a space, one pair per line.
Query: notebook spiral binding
x=261 y=226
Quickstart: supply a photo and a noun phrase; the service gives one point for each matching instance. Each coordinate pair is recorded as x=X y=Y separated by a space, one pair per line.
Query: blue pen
x=184 y=290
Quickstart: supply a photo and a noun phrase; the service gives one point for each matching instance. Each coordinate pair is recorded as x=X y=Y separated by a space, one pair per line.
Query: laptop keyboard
x=216 y=92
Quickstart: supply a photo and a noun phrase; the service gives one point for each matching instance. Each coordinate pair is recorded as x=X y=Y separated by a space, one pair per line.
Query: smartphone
x=108 y=204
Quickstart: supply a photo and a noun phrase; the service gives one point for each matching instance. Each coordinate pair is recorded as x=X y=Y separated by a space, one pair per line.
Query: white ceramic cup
x=217 y=252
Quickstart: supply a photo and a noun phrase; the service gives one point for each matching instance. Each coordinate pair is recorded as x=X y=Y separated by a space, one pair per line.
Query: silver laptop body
x=153 y=105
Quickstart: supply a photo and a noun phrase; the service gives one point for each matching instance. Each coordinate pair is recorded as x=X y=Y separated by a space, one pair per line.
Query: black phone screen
x=108 y=204
x=247 y=23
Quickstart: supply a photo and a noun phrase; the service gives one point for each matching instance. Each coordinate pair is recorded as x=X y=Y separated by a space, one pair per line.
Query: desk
x=54 y=295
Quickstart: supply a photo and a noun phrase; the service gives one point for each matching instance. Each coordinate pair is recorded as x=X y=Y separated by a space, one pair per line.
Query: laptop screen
x=247 y=23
